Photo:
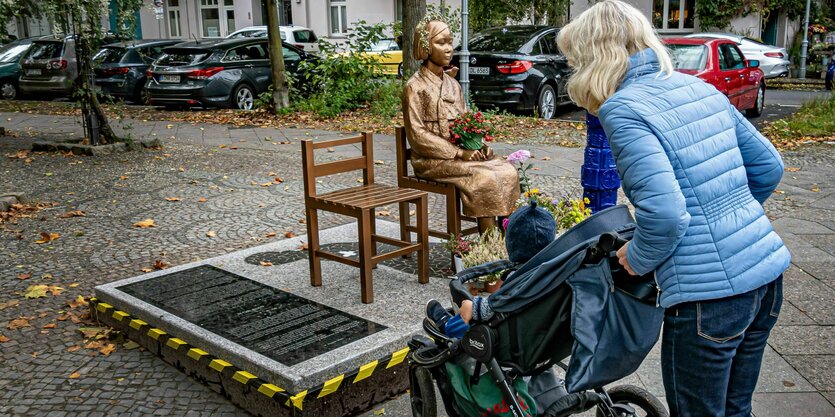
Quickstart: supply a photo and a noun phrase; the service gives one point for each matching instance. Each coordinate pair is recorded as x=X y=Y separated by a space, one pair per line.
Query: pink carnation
x=521 y=156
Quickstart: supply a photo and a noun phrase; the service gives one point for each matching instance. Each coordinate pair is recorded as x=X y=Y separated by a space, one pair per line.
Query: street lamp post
x=464 y=62
x=804 y=47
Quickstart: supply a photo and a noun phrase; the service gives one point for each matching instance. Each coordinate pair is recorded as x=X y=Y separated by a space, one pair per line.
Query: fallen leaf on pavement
x=272 y=174
x=4 y=339
x=94 y=333
x=159 y=264
x=792 y=169
x=202 y=200
x=331 y=150
x=123 y=177
x=379 y=162
x=23 y=276
x=47 y=237
x=130 y=345
x=172 y=198
x=546 y=158
x=815 y=189
x=270 y=234
x=266 y=184
x=36 y=291
x=55 y=290
x=266 y=263
x=75 y=375
x=10 y=303
x=303 y=246
x=78 y=302
x=107 y=349
x=146 y=270
x=74 y=213
x=288 y=235
x=49 y=326
x=211 y=233
x=73 y=348
x=144 y=224
x=278 y=180
x=19 y=323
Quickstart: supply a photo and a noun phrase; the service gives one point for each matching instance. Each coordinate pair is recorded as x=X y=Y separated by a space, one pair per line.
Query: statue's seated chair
x=454 y=217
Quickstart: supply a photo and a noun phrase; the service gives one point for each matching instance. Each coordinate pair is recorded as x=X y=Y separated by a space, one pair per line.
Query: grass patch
x=814 y=122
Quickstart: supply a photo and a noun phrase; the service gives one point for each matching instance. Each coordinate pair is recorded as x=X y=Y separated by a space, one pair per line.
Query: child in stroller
x=529 y=230
x=530 y=331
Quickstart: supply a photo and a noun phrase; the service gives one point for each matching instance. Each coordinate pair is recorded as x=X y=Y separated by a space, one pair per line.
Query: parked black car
x=518 y=68
x=120 y=67
x=221 y=73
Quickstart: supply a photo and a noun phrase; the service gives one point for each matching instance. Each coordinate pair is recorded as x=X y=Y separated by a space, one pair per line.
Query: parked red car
x=719 y=62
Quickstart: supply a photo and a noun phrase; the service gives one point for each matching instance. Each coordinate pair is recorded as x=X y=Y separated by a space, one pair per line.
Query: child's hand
x=466 y=311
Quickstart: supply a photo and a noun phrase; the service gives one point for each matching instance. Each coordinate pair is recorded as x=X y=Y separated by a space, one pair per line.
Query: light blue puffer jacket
x=697 y=173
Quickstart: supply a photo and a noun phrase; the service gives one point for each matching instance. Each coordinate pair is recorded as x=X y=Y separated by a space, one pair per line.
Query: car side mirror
x=753 y=63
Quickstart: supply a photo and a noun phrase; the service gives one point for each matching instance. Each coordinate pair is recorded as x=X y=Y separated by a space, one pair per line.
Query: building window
x=339 y=17
x=673 y=14
x=229 y=12
x=174 y=18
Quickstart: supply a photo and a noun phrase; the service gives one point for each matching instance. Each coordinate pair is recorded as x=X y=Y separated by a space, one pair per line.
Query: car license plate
x=36 y=71
x=169 y=78
x=480 y=70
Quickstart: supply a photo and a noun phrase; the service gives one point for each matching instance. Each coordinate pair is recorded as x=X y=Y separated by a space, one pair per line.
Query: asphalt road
x=778 y=104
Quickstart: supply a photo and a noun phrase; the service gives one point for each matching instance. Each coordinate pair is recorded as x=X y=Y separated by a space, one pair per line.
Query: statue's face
x=441 y=48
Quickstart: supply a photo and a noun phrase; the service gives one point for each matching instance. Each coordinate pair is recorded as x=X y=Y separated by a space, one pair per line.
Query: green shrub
x=385 y=99
x=343 y=79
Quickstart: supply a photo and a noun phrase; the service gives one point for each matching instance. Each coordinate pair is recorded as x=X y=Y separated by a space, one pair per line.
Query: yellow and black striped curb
x=219 y=365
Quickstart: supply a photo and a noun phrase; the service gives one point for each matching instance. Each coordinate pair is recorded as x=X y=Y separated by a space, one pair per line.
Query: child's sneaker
x=437 y=313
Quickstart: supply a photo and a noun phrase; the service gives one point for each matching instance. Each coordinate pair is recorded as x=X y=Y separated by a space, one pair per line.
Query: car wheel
x=759 y=104
x=8 y=90
x=546 y=104
x=400 y=70
x=142 y=95
x=243 y=98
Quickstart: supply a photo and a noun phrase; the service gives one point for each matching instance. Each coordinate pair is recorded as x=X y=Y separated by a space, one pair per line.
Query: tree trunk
x=90 y=105
x=413 y=12
x=281 y=94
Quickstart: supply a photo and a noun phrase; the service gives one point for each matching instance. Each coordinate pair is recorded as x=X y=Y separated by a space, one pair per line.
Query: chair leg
x=405 y=222
x=313 y=247
x=453 y=220
x=365 y=255
x=423 y=239
x=373 y=229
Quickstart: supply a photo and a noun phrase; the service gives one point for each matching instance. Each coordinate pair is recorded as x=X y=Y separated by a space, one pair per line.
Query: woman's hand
x=623 y=261
x=470 y=155
x=487 y=152
x=466 y=311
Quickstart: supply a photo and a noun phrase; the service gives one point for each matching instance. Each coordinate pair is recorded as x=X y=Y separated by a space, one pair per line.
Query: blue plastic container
x=598 y=174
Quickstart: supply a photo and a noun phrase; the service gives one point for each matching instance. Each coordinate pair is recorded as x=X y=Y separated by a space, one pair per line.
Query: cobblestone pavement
x=219 y=177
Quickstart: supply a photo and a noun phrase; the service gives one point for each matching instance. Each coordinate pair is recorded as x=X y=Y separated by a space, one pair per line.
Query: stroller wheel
x=422 y=393
x=632 y=401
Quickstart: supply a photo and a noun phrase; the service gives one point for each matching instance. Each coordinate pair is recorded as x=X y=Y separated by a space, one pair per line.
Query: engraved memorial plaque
x=282 y=326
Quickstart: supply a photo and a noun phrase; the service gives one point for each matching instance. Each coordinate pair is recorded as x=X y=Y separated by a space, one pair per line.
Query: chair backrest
x=311 y=170
x=404 y=154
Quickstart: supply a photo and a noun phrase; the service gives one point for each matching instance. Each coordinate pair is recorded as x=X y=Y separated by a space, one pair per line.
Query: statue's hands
x=487 y=152
x=452 y=71
x=470 y=155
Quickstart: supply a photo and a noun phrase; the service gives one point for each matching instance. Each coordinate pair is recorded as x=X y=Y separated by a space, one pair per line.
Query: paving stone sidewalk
x=227 y=168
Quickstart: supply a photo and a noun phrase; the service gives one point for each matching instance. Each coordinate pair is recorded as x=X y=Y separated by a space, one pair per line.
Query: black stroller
x=572 y=284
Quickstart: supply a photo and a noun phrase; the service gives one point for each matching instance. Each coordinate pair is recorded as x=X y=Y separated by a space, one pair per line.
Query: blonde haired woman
x=697 y=173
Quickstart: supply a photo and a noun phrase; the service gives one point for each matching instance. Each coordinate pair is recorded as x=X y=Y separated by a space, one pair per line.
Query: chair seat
x=368 y=196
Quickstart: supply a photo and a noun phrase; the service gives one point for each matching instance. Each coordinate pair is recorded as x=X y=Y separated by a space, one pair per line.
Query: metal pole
x=464 y=62
x=805 y=45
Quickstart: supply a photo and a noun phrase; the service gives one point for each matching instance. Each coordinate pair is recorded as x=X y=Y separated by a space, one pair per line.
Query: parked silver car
x=774 y=61
x=49 y=67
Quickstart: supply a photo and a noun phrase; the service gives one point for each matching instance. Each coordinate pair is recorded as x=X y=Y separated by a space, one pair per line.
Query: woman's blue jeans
x=712 y=351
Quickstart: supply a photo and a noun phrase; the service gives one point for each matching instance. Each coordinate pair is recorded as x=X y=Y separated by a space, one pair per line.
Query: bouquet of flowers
x=817 y=28
x=470 y=131
x=566 y=211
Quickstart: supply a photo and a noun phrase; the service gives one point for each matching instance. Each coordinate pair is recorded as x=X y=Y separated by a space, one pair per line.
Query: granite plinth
x=398 y=310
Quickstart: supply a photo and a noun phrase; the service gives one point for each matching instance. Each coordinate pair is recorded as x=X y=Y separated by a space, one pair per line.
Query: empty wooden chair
x=360 y=202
